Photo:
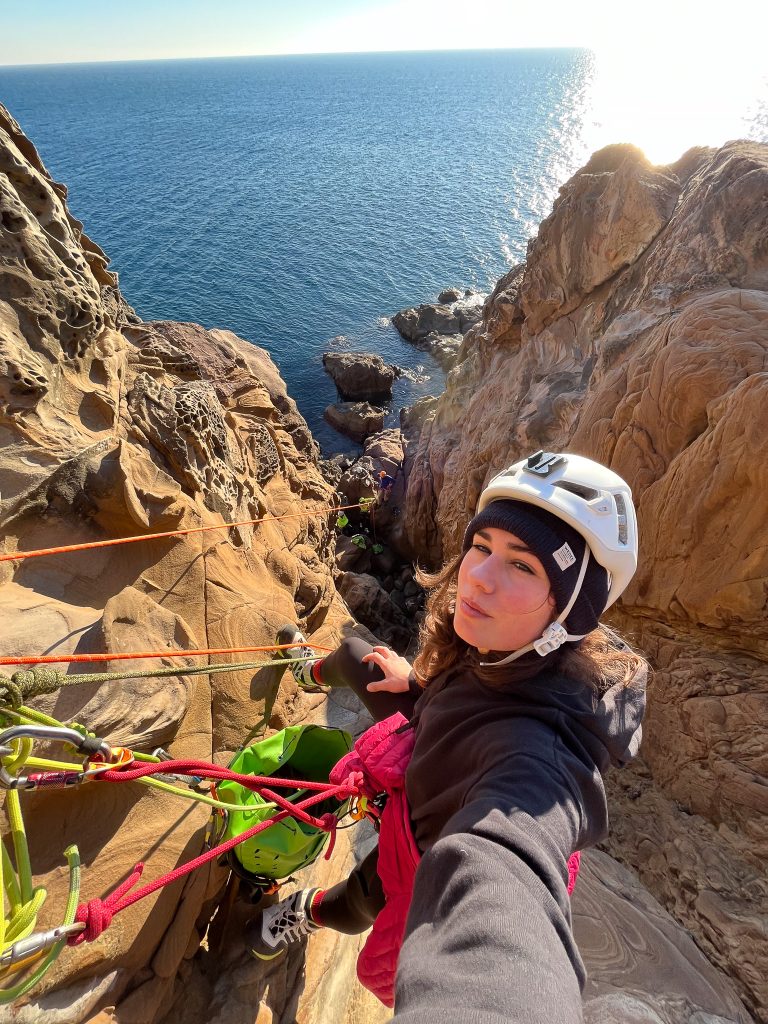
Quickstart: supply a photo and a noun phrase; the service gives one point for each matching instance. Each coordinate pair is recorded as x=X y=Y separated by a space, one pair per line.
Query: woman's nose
x=481 y=575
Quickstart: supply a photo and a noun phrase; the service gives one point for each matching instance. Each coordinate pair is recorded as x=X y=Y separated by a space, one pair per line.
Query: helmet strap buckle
x=554 y=636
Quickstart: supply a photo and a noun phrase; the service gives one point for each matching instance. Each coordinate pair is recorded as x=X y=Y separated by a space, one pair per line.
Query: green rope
x=19 y=839
x=29 y=683
x=25 y=757
x=8 y=995
x=22 y=899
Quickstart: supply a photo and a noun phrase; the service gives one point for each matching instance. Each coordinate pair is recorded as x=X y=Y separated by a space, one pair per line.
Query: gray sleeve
x=488 y=938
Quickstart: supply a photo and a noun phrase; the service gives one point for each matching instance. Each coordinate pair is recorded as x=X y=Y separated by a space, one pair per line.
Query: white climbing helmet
x=594 y=500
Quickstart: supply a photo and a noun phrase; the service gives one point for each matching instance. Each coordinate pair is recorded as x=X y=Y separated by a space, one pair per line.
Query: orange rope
x=52 y=659
x=170 y=533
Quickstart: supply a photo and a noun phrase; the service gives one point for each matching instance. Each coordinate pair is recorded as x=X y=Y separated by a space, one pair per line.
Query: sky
x=668 y=73
x=66 y=31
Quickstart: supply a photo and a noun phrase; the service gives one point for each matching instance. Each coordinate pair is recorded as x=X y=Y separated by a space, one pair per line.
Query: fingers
x=380 y=656
x=378 y=650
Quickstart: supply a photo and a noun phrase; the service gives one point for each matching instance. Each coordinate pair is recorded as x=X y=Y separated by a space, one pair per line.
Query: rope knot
x=96 y=915
x=28 y=683
x=354 y=782
x=10 y=693
x=40 y=679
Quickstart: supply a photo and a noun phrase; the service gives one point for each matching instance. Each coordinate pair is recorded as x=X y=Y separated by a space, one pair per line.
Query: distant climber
x=386 y=483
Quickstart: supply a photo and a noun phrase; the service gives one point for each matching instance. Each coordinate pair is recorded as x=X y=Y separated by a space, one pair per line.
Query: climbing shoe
x=301 y=670
x=281 y=925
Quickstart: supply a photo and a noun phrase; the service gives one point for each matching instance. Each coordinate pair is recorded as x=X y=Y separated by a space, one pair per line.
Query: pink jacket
x=382 y=754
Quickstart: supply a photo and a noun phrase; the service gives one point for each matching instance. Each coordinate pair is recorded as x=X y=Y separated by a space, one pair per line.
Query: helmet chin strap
x=555 y=634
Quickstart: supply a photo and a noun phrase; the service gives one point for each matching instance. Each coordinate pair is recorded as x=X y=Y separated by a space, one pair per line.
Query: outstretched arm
x=488 y=938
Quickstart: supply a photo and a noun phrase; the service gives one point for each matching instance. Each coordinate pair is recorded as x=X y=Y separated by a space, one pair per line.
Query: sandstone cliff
x=637 y=332
x=111 y=427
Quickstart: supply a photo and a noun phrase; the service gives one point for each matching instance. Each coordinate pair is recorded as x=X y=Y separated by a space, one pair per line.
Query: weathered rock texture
x=637 y=333
x=643 y=968
x=112 y=427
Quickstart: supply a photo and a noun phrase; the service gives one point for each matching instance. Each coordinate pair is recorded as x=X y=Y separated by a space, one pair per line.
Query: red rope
x=97 y=914
x=206 y=770
x=19 y=555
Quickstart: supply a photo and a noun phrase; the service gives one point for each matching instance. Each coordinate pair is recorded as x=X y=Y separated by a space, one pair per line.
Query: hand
x=396 y=670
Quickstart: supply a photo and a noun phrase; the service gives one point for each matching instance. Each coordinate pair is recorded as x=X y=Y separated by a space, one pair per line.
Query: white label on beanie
x=564 y=556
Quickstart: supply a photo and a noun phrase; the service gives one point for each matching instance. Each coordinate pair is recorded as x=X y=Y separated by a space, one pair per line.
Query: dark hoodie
x=504 y=785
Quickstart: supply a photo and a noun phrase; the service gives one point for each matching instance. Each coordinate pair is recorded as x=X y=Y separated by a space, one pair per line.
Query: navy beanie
x=550 y=539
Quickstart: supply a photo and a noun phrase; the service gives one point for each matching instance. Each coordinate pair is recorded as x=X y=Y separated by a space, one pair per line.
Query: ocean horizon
x=301 y=201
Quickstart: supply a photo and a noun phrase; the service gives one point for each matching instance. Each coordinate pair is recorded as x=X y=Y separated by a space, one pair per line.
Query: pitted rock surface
x=186 y=424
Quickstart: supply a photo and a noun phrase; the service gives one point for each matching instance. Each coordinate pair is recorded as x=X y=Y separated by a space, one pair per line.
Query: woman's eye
x=523 y=567
x=481 y=547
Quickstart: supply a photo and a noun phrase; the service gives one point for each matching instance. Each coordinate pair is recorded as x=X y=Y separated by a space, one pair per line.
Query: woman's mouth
x=471 y=610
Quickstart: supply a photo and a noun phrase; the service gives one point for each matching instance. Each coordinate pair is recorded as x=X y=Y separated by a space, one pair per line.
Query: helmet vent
x=587 y=493
x=621 y=509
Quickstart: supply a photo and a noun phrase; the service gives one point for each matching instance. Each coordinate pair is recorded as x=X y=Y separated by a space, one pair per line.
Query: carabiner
x=87 y=745
x=34 y=945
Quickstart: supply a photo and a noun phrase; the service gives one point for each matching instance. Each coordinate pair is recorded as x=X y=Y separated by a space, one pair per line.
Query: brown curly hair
x=601 y=659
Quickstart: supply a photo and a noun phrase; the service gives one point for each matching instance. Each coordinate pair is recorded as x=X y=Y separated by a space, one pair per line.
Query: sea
x=300 y=201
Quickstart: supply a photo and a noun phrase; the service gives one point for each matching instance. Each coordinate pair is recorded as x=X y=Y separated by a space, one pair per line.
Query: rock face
x=360 y=376
x=110 y=427
x=642 y=967
x=372 y=605
x=355 y=419
x=637 y=333
x=629 y=203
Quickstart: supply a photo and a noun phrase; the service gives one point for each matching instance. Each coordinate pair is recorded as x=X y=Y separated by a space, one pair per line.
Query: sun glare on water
x=668 y=90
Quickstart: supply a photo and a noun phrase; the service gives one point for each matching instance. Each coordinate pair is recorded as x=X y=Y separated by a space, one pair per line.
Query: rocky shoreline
x=375 y=576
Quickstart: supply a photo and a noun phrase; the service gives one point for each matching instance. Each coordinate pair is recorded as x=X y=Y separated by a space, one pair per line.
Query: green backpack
x=306 y=752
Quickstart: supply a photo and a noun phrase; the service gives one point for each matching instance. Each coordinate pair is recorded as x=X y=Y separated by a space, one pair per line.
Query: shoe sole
x=266 y=956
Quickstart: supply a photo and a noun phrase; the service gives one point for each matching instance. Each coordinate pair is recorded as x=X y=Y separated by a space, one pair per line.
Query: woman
x=518 y=702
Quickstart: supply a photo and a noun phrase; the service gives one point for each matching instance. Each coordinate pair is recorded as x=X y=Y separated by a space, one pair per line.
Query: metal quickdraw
x=25 y=951
x=90 y=746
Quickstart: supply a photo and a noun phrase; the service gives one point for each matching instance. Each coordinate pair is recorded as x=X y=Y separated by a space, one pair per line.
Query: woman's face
x=503 y=598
